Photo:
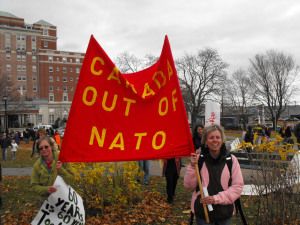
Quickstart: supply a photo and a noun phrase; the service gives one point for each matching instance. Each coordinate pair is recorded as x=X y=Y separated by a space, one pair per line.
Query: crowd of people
x=208 y=163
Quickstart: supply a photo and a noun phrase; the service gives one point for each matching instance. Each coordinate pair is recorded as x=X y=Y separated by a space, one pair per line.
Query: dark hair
x=195 y=133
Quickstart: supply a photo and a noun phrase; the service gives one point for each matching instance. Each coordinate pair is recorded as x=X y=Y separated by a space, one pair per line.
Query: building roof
x=7 y=14
x=43 y=22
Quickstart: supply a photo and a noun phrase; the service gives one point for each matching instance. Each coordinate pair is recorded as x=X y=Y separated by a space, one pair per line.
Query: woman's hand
x=194 y=159
x=208 y=200
x=51 y=189
x=58 y=165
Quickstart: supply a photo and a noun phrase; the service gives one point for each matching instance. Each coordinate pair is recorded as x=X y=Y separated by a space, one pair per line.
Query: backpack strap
x=237 y=203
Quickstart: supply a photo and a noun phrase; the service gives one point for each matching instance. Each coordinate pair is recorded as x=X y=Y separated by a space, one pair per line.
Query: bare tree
x=239 y=93
x=272 y=75
x=201 y=78
x=5 y=85
x=128 y=63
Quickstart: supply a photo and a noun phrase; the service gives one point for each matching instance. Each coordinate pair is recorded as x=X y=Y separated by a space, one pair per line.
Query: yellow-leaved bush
x=107 y=184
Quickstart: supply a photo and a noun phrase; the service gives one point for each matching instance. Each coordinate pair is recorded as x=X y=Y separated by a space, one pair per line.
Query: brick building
x=38 y=79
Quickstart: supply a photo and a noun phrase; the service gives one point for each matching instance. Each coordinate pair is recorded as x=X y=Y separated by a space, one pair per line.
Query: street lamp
x=5 y=113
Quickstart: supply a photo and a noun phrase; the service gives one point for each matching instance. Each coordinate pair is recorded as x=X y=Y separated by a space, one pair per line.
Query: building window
x=19 y=57
x=8 y=77
x=77 y=60
x=50 y=69
x=19 y=77
x=51 y=97
x=19 y=68
x=65 y=79
x=24 y=78
x=45 y=31
x=8 y=67
x=71 y=60
x=50 y=78
x=77 y=70
x=57 y=69
x=64 y=69
x=65 y=97
x=33 y=58
x=33 y=38
x=64 y=59
x=51 y=118
x=50 y=58
x=8 y=56
x=23 y=58
x=34 y=77
x=65 y=88
x=33 y=68
x=71 y=69
x=39 y=118
x=71 y=79
x=34 y=88
x=45 y=44
x=57 y=78
x=50 y=88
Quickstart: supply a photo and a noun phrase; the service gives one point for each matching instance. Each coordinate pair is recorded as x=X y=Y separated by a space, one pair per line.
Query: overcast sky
x=238 y=29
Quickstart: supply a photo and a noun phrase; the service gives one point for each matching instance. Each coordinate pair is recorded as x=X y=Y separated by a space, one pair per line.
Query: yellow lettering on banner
x=147 y=91
x=128 y=104
x=95 y=60
x=118 y=138
x=170 y=69
x=174 y=99
x=131 y=86
x=113 y=105
x=139 y=140
x=114 y=75
x=166 y=108
x=85 y=93
x=155 y=78
x=154 y=140
x=95 y=133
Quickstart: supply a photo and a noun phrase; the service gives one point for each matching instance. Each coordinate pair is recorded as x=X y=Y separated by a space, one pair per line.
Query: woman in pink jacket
x=223 y=189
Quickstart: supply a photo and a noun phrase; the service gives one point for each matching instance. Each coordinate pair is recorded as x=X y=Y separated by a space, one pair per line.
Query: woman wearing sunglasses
x=47 y=167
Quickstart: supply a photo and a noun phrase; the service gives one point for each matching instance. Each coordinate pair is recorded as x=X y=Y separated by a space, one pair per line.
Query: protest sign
x=63 y=207
x=212 y=113
x=123 y=117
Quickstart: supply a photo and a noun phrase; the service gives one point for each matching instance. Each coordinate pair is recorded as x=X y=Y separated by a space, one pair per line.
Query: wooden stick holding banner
x=202 y=194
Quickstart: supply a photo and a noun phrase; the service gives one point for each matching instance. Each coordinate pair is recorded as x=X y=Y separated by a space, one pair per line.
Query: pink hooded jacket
x=229 y=195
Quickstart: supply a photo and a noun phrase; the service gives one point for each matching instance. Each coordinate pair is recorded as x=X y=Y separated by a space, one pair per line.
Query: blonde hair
x=212 y=128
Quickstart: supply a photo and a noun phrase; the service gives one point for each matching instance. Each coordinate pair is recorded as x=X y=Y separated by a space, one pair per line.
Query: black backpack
x=237 y=203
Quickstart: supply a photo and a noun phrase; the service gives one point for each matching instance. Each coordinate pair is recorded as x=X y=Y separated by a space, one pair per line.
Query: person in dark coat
x=197 y=135
x=171 y=170
x=297 y=132
x=286 y=133
x=249 y=136
x=5 y=143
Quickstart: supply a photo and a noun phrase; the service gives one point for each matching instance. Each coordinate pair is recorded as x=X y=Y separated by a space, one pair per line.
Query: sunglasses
x=44 y=147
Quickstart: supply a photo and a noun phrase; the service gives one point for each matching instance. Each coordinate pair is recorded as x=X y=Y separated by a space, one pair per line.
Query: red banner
x=123 y=117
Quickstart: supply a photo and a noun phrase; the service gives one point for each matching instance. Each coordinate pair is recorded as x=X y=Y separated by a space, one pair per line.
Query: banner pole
x=202 y=194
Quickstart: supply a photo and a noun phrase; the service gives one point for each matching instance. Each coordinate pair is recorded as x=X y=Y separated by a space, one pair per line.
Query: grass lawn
x=23 y=158
x=20 y=205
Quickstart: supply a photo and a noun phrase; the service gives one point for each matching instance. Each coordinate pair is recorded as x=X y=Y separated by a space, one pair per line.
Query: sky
x=237 y=29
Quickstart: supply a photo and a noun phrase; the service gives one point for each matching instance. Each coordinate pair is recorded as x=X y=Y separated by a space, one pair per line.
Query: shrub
x=106 y=184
